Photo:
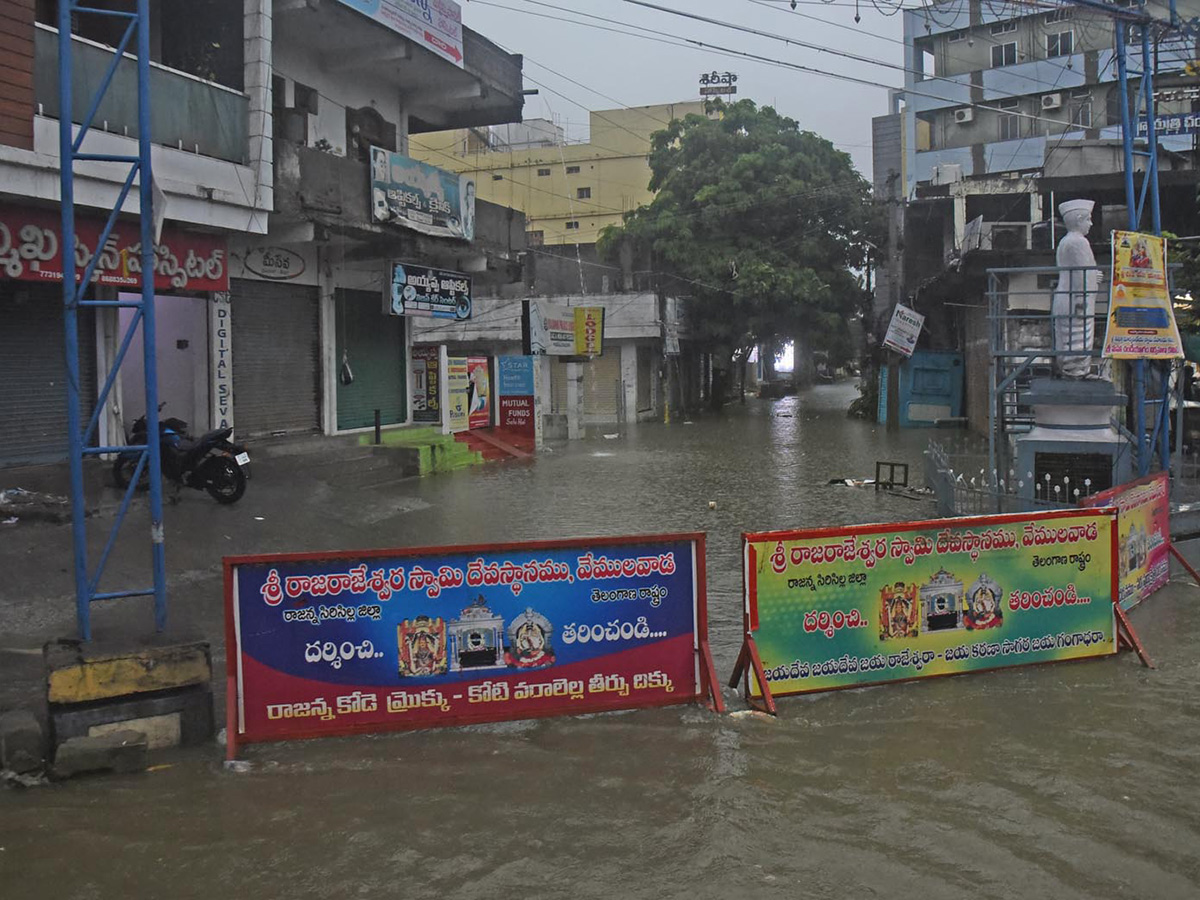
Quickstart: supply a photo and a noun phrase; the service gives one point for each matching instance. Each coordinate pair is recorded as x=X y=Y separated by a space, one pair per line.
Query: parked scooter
x=213 y=463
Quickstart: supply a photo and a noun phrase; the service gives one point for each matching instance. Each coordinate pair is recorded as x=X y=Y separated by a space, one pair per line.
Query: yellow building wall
x=542 y=182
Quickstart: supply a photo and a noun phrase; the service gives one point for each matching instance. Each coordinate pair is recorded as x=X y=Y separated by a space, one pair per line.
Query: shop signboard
x=515 y=397
x=556 y=329
x=458 y=401
x=420 y=291
x=1170 y=124
x=479 y=392
x=416 y=195
x=425 y=385
x=1143 y=535
x=847 y=607
x=327 y=644
x=903 y=330
x=1141 y=317
x=435 y=25
x=31 y=250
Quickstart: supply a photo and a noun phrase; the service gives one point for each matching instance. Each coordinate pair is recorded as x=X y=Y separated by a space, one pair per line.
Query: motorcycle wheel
x=226 y=482
x=123 y=469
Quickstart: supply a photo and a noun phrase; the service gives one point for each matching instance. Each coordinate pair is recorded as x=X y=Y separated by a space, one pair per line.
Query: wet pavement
x=1069 y=781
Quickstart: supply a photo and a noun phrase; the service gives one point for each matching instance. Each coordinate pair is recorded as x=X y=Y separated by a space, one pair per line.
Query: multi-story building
x=568 y=191
x=1007 y=111
x=276 y=251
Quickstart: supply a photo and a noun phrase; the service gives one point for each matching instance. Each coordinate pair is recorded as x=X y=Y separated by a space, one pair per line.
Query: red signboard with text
x=31 y=250
x=326 y=644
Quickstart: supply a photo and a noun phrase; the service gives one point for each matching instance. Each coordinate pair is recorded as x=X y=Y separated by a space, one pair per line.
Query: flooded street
x=1067 y=781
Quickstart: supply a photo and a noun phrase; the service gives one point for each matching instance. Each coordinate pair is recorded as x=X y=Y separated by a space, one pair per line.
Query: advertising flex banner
x=1141 y=316
x=479 y=392
x=458 y=399
x=556 y=329
x=421 y=291
x=416 y=195
x=435 y=25
x=862 y=605
x=326 y=644
x=515 y=397
x=426 y=385
x=1143 y=535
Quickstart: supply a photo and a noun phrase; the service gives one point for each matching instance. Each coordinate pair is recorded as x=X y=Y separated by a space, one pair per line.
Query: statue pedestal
x=1073 y=444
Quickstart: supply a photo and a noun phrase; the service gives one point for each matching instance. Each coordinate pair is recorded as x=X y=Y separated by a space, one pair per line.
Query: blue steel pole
x=70 y=322
x=1126 y=126
x=1151 y=131
x=146 y=190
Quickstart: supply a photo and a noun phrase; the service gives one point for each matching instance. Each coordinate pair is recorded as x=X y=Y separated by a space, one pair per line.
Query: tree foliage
x=758 y=222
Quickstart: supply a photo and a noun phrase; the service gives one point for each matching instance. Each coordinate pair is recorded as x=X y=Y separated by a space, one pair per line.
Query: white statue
x=1074 y=304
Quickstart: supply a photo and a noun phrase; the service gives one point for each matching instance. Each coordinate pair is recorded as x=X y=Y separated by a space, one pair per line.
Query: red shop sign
x=31 y=250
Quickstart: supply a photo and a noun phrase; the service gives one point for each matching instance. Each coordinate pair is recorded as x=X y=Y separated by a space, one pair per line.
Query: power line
x=721 y=50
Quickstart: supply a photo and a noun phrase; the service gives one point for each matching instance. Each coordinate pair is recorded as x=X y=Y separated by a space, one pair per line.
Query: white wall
x=338 y=90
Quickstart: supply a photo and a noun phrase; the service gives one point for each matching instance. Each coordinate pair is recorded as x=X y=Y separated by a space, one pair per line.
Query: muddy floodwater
x=1066 y=781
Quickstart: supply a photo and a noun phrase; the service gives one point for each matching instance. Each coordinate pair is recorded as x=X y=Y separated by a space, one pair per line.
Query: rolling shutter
x=276 y=358
x=33 y=373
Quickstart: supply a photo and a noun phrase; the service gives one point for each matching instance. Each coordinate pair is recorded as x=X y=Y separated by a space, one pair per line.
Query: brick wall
x=16 y=73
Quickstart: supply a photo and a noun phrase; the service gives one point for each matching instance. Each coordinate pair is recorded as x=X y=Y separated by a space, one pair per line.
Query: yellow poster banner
x=458 y=384
x=589 y=330
x=1141 y=320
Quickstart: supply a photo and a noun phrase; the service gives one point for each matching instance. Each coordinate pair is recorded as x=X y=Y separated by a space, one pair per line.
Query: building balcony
x=329 y=194
x=186 y=112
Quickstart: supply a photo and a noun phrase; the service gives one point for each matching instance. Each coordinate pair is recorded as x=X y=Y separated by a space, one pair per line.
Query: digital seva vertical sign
x=327 y=644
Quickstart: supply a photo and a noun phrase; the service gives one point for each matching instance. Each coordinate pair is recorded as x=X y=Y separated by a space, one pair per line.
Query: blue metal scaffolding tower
x=78 y=296
x=1144 y=211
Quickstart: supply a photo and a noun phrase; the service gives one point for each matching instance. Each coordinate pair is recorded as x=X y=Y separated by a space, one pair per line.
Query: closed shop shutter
x=601 y=386
x=372 y=344
x=276 y=358
x=558 y=385
x=33 y=373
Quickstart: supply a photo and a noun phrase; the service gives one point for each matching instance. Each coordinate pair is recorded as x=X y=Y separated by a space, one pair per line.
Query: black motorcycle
x=213 y=463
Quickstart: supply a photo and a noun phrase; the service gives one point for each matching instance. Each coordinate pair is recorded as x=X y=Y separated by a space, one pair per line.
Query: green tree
x=759 y=224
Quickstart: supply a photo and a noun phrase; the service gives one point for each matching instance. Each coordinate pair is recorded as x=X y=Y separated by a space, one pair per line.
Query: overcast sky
x=621 y=70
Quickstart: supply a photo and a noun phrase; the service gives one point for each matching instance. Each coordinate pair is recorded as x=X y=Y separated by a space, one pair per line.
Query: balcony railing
x=186 y=112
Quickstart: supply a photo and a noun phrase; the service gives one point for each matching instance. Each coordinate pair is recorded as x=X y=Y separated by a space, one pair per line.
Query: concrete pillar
x=330 y=364
x=574 y=401
x=629 y=380
x=257 y=66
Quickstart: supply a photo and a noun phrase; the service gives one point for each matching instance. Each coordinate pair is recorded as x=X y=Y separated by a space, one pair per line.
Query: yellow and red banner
x=1143 y=535
x=1141 y=319
x=863 y=605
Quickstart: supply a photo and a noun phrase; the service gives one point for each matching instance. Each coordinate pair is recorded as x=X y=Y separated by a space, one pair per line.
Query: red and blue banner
x=326 y=644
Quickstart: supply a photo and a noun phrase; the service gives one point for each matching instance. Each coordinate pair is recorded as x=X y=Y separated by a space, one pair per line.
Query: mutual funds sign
x=855 y=606
x=413 y=638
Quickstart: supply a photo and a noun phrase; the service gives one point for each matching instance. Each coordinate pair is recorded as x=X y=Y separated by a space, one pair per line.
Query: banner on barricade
x=327 y=644
x=862 y=605
x=1143 y=535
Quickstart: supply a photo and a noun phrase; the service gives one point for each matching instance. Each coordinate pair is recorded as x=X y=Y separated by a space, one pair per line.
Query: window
x=572 y=170
x=1081 y=109
x=535 y=238
x=1061 y=43
x=1004 y=54
x=572 y=226
x=1008 y=27
x=956 y=36
x=1009 y=120
x=583 y=193
x=1058 y=15
x=542 y=173
x=306 y=99
x=497 y=178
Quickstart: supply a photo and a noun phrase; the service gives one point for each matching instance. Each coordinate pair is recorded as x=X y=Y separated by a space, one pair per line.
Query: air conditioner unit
x=964 y=115
x=1051 y=101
